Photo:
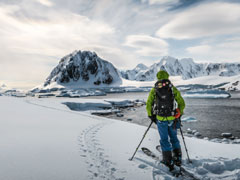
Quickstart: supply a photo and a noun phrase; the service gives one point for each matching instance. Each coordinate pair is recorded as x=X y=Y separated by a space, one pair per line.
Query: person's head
x=162 y=75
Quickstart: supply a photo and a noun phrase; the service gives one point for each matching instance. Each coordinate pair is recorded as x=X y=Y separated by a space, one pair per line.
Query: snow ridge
x=131 y=74
x=186 y=68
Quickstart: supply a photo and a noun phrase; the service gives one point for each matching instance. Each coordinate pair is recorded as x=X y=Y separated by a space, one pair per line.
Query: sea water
x=212 y=116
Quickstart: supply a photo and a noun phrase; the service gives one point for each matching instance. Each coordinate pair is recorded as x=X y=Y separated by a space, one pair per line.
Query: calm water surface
x=214 y=116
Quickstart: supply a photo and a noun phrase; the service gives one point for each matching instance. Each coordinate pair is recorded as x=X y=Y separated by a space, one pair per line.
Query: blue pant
x=165 y=129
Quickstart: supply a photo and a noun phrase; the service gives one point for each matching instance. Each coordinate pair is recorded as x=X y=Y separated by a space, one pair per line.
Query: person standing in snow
x=165 y=105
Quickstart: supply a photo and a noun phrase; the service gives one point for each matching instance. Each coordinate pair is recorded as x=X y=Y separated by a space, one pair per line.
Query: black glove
x=153 y=119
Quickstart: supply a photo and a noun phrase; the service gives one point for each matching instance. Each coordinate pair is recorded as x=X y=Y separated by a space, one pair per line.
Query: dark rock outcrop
x=83 y=66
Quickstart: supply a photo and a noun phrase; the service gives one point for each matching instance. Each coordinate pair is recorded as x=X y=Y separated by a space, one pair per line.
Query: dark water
x=214 y=116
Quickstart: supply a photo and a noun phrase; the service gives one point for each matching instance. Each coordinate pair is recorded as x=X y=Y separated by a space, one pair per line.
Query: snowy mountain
x=3 y=88
x=131 y=74
x=83 y=68
x=7 y=91
x=186 y=68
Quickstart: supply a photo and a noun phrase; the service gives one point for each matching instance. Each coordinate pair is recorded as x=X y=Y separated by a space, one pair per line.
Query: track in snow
x=100 y=166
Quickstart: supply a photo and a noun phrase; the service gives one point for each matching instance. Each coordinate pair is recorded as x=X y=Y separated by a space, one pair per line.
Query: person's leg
x=165 y=145
x=163 y=132
x=177 y=153
x=173 y=137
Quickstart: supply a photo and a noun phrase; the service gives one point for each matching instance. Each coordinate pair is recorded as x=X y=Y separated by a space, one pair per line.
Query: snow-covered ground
x=209 y=82
x=212 y=80
x=44 y=139
x=207 y=94
x=230 y=82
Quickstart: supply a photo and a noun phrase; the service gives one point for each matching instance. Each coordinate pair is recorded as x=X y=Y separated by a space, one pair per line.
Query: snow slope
x=227 y=83
x=43 y=139
x=131 y=74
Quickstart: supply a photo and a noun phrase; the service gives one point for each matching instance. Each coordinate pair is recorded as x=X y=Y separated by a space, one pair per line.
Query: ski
x=150 y=153
x=183 y=170
x=176 y=172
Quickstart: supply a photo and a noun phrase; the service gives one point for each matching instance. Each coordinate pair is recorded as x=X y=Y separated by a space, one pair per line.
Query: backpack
x=164 y=101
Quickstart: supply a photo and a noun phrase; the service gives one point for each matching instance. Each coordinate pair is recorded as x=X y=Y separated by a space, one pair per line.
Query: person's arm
x=179 y=99
x=150 y=102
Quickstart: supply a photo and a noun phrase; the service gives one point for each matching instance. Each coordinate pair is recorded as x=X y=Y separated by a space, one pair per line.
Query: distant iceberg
x=211 y=93
x=188 y=119
x=103 y=107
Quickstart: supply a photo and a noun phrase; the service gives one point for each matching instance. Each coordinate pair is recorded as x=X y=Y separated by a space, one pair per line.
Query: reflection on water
x=214 y=116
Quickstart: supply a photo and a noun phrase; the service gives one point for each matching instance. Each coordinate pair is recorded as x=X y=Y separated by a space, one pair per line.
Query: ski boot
x=177 y=157
x=167 y=159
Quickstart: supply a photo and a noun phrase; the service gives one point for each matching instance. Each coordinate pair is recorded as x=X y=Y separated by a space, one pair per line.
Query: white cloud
x=161 y=2
x=146 y=45
x=62 y=30
x=32 y=46
x=45 y=2
x=226 y=51
x=35 y=36
x=199 y=50
x=208 y=19
x=120 y=58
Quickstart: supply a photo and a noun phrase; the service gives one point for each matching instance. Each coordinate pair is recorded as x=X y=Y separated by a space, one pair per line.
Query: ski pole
x=141 y=141
x=185 y=145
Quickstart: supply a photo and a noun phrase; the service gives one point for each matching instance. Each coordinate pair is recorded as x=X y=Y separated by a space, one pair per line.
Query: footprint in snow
x=142 y=166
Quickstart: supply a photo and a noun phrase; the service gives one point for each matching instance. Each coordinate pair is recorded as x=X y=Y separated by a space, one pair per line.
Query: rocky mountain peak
x=141 y=67
x=81 y=67
x=168 y=60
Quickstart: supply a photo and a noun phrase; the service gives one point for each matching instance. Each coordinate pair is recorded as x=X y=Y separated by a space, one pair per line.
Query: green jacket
x=152 y=95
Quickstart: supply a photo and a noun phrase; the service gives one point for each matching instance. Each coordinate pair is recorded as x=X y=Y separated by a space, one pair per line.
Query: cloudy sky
x=35 y=34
